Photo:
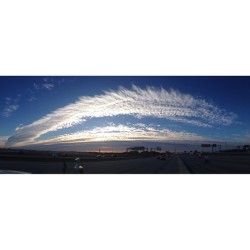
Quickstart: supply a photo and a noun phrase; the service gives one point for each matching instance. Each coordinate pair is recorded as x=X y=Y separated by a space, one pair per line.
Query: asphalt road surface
x=137 y=166
x=218 y=164
x=134 y=166
x=173 y=165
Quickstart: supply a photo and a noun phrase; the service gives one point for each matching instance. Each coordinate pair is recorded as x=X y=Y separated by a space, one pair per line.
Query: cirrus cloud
x=11 y=106
x=170 y=104
x=115 y=133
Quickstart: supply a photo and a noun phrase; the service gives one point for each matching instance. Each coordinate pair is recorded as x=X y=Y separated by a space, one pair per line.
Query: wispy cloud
x=36 y=86
x=111 y=133
x=7 y=100
x=48 y=86
x=43 y=84
x=32 y=99
x=3 y=140
x=9 y=110
x=11 y=105
x=149 y=102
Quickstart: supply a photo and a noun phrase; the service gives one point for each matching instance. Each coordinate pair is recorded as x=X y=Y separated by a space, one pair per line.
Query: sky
x=112 y=113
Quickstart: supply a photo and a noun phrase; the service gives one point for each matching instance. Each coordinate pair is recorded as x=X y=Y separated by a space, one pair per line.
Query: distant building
x=138 y=149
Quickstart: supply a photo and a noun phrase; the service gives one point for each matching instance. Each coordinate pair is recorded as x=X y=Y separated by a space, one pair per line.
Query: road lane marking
x=182 y=167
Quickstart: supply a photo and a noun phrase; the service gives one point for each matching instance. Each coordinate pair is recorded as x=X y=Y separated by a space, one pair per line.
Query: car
x=162 y=157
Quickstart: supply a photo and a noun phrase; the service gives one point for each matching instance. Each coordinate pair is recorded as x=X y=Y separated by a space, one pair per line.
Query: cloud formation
x=48 y=86
x=111 y=133
x=11 y=105
x=3 y=140
x=32 y=99
x=137 y=102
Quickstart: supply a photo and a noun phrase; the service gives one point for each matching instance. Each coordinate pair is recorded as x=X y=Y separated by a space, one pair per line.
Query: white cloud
x=9 y=110
x=138 y=132
x=36 y=86
x=48 y=86
x=7 y=99
x=3 y=140
x=150 y=102
x=32 y=99
x=11 y=105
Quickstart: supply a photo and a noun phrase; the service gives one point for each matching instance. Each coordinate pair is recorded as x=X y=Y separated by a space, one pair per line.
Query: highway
x=137 y=166
x=32 y=167
x=133 y=166
x=217 y=164
x=185 y=164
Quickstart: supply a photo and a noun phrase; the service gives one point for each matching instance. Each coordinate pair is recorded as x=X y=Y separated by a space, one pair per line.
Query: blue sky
x=81 y=113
